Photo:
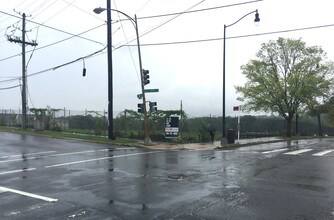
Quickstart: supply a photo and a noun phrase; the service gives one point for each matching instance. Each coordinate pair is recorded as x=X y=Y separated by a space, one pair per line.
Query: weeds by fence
x=129 y=124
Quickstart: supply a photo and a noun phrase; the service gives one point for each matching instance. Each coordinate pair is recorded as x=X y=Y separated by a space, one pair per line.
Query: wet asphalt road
x=43 y=178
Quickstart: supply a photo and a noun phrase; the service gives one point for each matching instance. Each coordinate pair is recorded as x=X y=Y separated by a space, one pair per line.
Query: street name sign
x=151 y=90
x=140 y=96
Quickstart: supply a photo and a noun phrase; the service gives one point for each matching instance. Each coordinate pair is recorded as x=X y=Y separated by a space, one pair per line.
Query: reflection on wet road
x=283 y=180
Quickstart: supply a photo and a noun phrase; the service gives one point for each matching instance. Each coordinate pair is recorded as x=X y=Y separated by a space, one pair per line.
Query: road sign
x=151 y=90
x=140 y=96
x=172 y=127
x=236 y=108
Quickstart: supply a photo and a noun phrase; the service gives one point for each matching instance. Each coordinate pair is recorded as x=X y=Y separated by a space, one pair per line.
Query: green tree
x=316 y=109
x=316 y=102
x=284 y=77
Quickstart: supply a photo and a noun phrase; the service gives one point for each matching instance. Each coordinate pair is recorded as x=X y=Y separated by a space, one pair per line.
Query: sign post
x=238 y=108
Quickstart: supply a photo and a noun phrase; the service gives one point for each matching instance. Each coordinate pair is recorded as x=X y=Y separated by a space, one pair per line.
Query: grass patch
x=69 y=135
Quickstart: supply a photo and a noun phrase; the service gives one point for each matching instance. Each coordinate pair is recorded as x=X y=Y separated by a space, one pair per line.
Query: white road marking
x=298 y=152
x=4 y=189
x=102 y=158
x=54 y=155
x=275 y=151
x=17 y=171
x=322 y=153
x=21 y=159
x=76 y=162
x=78 y=152
x=20 y=155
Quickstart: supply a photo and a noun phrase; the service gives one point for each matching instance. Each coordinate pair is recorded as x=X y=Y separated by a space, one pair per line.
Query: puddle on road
x=142 y=207
x=178 y=177
x=77 y=215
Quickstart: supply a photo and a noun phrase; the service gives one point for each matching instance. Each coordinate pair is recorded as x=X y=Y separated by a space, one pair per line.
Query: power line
x=143 y=6
x=133 y=62
x=52 y=28
x=233 y=37
x=66 y=64
x=28 y=6
x=12 y=79
x=57 y=13
x=59 y=66
x=177 y=14
x=89 y=13
x=54 y=43
x=170 y=43
x=74 y=61
x=167 y=21
x=199 y=10
x=40 y=7
x=11 y=87
x=154 y=16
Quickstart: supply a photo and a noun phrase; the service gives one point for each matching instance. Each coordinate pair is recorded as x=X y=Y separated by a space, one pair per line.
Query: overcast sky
x=183 y=52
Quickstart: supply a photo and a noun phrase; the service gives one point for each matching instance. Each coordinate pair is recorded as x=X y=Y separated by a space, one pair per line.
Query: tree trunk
x=319 y=125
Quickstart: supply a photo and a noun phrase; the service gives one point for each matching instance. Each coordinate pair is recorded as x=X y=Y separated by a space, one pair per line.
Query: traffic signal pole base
x=148 y=141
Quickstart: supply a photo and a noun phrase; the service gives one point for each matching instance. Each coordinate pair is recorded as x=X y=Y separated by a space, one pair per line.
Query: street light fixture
x=257 y=19
x=110 y=98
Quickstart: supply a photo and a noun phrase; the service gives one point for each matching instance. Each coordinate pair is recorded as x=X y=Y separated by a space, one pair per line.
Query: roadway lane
x=62 y=179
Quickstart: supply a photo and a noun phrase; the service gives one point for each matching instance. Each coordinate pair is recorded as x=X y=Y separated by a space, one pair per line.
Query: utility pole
x=24 y=78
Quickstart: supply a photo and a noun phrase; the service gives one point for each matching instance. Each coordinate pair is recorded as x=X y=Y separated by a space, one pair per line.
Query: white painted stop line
x=4 y=189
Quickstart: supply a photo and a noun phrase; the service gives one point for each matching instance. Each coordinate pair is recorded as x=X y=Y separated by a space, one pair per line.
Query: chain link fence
x=130 y=124
x=57 y=119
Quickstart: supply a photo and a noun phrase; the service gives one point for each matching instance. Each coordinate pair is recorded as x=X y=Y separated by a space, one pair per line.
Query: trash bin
x=230 y=136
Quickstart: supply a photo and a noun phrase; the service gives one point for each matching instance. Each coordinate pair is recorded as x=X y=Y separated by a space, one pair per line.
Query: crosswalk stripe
x=274 y=151
x=4 y=189
x=322 y=153
x=298 y=152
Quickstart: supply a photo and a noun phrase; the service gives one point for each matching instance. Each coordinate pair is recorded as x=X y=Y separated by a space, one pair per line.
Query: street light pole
x=257 y=19
x=223 y=141
x=110 y=75
x=134 y=22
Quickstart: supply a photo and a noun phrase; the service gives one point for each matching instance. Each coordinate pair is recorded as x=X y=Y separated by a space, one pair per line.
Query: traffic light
x=84 y=68
x=153 y=107
x=146 y=77
x=140 y=108
x=84 y=72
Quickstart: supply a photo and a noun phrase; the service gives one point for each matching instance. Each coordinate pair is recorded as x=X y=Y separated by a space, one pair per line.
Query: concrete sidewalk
x=210 y=146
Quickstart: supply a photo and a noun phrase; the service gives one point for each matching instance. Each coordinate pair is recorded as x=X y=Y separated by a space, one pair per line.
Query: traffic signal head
x=140 y=108
x=146 y=77
x=153 y=107
x=84 y=72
